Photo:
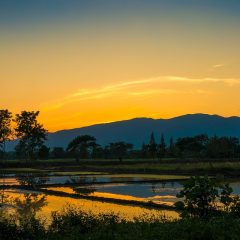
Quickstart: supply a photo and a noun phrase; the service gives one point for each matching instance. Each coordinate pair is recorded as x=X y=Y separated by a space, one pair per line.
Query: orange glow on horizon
x=83 y=70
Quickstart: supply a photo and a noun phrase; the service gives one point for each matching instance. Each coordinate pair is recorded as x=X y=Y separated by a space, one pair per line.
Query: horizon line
x=178 y=116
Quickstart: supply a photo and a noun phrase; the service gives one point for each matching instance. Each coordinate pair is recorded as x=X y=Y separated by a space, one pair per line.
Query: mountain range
x=137 y=131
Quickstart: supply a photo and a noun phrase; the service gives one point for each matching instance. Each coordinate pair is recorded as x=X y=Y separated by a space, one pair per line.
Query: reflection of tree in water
x=84 y=189
x=163 y=184
x=32 y=180
x=81 y=180
x=3 y=195
x=153 y=187
x=4 y=198
x=81 y=184
x=28 y=207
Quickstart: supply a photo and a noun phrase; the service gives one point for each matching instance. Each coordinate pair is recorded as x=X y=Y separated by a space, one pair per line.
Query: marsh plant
x=205 y=197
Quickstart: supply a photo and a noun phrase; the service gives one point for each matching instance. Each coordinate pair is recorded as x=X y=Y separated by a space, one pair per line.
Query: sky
x=83 y=62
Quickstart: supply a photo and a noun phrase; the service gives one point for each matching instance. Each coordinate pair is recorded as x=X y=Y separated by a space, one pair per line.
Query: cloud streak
x=140 y=88
x=218 y=65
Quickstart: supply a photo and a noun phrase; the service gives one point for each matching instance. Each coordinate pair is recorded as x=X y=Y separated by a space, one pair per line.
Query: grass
x=23 y=170
x=147 y=176
x=75 y=173
x=137 y=166
x=72 y=224
x=182 y=168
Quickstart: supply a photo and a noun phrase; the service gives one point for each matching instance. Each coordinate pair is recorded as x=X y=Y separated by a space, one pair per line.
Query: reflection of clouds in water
x=8 y=181
x=32 y=180
x=159 y=190
x=236 y=187
x=141 y=190
x=163 y=199
x=56 y=203
x=109 y=185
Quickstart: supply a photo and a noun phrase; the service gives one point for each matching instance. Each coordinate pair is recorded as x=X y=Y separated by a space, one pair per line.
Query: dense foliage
x=204 y=197
x=75 y=224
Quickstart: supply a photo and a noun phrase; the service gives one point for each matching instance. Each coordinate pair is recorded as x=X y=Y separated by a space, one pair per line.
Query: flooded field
x=58 y=203
x=129 y=196
x=125 y=195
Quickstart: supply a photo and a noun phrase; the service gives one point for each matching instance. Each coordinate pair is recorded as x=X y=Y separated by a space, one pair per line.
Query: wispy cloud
x=228 y=81
x=142 y=87
x=218 y=66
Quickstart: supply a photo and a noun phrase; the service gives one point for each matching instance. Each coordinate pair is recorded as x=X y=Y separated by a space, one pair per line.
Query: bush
x=204 y=197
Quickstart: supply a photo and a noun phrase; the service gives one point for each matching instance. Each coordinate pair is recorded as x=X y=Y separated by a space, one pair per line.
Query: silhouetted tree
x=58 y=152
x=28 y=207
x=82 y=146
x=152 y=147
x=171 y=148
x=192 y=146
x=32 y=180
x=43 y=152
x=97 y=151
x=119 y=149
x=5 y=129
x=30 y=133
x=202 y=196
x=144 y=151
x=223 y=147
x=161 y=150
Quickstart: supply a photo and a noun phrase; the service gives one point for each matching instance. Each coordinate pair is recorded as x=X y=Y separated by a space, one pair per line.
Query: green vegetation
x=30 y=133
x=75 y=224
x=166 y=167
x=205 y=197
x=5 y=130
x=82 y=146
x=78 y=173
x=23 y=170
x=148 y=176
x=208 y=210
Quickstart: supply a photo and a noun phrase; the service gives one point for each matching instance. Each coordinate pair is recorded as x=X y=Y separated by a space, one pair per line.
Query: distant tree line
x=31 y=135
x=198 y=147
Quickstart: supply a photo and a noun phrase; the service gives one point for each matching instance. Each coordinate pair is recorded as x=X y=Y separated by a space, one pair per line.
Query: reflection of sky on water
x=236 y=187
x=57 y=203
x=142 y=190
x=74 y=179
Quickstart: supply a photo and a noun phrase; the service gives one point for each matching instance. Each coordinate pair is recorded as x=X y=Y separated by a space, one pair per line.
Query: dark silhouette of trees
x=31 y=134
x=171 y=149
x=199 y=146
x=28 y=207
x=82 y=146
x=5 y=129
x=204 y=147
x=202 y=195
x=161 y=148
x=58 y=152
x=223 y=147
x=192 y=146
x=98 y=152
x=144 y=151
x=152 y=147
x=119 y=150
x=43 y=152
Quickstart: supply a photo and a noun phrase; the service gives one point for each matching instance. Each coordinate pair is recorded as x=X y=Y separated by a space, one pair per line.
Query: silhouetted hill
x=138 y=130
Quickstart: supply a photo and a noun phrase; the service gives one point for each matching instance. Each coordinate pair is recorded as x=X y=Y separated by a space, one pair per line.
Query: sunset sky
x=82 y=62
